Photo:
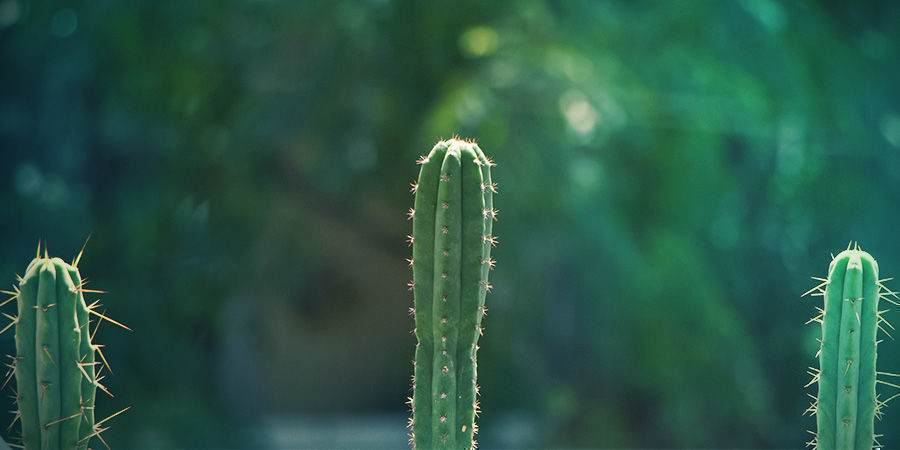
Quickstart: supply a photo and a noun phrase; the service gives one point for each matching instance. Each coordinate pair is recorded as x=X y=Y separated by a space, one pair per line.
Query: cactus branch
x=846 y=405
x=55 y=364
x=452 y=221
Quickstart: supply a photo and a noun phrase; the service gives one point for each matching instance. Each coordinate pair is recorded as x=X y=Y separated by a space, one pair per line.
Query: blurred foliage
x=671 y=173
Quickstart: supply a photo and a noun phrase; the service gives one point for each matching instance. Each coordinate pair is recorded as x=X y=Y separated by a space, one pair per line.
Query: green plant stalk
x=846 y=404
x=452 y=239
x=54 y=366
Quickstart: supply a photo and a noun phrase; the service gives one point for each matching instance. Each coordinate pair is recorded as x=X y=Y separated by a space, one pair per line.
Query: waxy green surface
x=846 y=402
x=452 y=223
x=54 y=366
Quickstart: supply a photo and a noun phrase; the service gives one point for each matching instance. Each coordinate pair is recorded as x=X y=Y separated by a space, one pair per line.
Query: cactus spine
x=54 y=368
x=846 y=405
x=452 y=242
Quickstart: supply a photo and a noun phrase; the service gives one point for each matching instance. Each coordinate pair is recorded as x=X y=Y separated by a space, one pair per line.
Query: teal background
x=671 y=173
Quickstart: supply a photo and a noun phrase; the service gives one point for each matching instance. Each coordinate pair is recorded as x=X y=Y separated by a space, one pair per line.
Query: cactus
x=55 y=367
x=451 y=243
x=846 y=405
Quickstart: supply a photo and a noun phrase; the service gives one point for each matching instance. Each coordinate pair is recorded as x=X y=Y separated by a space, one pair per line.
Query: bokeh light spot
x=478 y=41
x=581 y=116
x=769 y=13
x=470 y=106
x=27 y=180
x=890 y=129
x=586 y=173
x=64 y=23
x=10 y=12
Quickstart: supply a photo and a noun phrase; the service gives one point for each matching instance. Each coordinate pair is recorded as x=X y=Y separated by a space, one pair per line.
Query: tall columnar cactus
x=846 y=405
x=55 y=367
x=452 y=243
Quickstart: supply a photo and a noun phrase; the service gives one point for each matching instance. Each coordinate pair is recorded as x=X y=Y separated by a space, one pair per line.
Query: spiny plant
x=451 y=240
x=846 y=404
x=55 y=365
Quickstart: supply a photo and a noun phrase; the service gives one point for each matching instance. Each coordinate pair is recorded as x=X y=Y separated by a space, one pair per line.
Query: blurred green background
x=671 y=174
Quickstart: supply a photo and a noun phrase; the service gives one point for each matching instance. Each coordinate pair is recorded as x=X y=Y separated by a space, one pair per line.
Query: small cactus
x=55 y=367
x=451 y=242
x=846 y=405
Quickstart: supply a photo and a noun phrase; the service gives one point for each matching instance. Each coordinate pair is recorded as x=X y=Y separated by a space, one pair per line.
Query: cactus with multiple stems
x=846 y=405
x=55 y=366
x=451 y=243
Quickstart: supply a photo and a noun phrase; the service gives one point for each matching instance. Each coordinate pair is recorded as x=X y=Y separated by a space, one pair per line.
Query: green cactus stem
x=846 y=404
x=451 y=241
x=55 y=368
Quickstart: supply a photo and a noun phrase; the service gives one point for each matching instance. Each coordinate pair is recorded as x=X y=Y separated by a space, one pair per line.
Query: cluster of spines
x=452 y=239
x=46 y=420
x=847 y=404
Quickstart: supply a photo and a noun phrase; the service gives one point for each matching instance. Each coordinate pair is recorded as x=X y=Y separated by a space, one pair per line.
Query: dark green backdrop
x=671 y=174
